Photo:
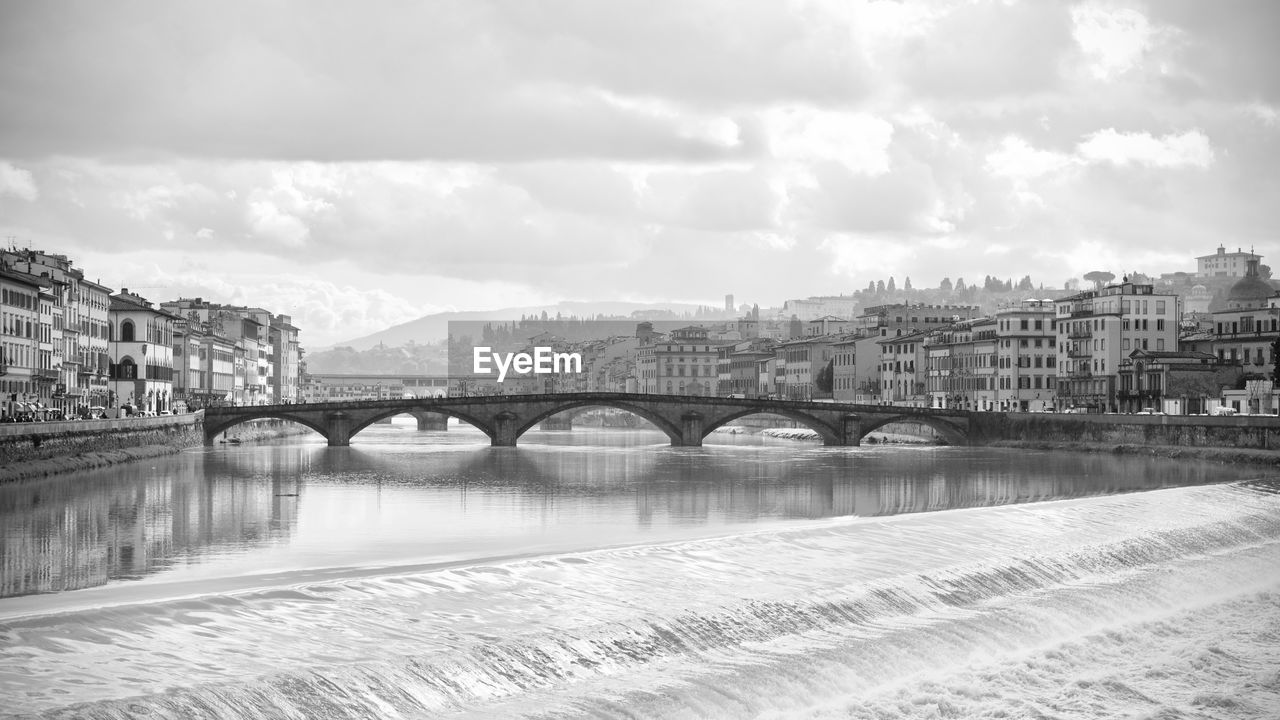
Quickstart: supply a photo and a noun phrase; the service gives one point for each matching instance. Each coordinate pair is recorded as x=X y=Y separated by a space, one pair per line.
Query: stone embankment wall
x=34 y=450
x=29 y=450
x=1251 y=432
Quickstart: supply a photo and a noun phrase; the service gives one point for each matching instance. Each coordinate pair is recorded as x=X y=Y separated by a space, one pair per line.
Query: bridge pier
x=338 y=429
x=505 y=427
x=690 y=430
x=431 y=421
x=850 y=432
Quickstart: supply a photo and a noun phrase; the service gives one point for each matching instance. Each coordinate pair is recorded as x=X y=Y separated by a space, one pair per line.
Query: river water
x=601 y=573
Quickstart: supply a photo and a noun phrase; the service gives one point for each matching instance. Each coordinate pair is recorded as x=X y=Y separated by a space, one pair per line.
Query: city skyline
x=357 y=170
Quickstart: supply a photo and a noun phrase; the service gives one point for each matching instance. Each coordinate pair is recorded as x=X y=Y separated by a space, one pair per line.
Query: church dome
x=1251 y=290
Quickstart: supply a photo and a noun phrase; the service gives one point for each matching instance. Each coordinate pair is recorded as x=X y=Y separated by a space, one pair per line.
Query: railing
x=1080 y=373
x=1080 y=334
x=1079 y=353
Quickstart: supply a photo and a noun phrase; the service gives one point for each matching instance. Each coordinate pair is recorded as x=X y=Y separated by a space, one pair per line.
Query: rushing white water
x=1157 y=604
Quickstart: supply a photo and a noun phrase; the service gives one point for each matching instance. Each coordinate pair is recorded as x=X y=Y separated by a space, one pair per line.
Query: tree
x=890 y=286
x=826 y=377
x=1264 y=272
x=960 y=287
x=1099 y=277
x=871 y=286
x=906 y=283
x=880 y=286
x=1275 y=361
x=945 y=285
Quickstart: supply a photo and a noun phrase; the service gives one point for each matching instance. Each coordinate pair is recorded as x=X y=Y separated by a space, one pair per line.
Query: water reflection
x=404 y=497
x=84 y=530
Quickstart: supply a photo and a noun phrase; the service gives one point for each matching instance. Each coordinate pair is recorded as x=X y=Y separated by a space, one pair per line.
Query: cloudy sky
x=358 y=165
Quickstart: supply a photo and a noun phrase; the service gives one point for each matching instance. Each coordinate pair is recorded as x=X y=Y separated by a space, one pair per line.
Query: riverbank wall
x=35 y=450
x=32 y=450
x=1249 y=432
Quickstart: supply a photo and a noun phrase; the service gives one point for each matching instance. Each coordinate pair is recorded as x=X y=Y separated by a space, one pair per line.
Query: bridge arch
x=830 y=435
x=662 y=423
x=214 y=428
x=465 y=417
x=950 y=431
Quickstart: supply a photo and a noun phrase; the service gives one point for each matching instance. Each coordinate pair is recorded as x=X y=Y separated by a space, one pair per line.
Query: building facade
x=1097 y=328
x=142 y=349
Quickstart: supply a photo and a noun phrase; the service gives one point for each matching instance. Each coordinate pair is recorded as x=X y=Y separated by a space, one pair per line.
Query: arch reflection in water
x=402 y=498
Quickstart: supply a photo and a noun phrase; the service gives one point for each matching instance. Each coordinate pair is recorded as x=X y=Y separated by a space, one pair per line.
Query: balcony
x=1082 y=312
x=1073 y=352
x=1080 y=373
x=1080 y=334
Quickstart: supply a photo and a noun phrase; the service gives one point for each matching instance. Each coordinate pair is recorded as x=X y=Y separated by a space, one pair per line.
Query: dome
x=1200 y=290
x=1251 y=290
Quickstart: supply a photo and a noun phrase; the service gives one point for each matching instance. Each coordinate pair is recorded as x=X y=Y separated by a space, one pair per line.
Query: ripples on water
x=609 y=576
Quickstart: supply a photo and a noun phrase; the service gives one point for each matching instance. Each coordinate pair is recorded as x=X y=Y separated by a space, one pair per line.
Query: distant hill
x=435 y=327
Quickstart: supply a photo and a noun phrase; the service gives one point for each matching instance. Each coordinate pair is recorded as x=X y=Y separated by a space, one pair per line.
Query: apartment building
x=1027 y=357
x=19 y=355
x=902 y=362
x=961 y=365
x=1097 y=328
x=142 y=347
x=685 y=363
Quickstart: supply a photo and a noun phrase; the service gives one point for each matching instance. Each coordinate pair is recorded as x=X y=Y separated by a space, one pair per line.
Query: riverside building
x=1097 y=328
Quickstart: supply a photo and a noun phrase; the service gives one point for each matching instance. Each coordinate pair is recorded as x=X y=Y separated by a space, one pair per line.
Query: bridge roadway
x=686 y=420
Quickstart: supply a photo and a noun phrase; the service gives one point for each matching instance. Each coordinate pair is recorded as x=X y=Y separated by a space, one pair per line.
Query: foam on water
x=1157 y=604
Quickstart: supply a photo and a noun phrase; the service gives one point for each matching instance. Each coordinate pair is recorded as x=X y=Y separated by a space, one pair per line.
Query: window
x=1159 y=307
x=126 y=331
x=1159 y=343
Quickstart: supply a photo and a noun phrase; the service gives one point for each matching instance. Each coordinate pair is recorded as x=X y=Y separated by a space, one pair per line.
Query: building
x=903 y=359
x=1027 y=357
x=1177 y=382
x=75 y=343
x=1223 y=263
x=685 y=363
x=337 y=387
x=960 y=365
x=800 y=362
x=1097 y=329
x=1246 y=330
x=92 y=381
x=267 y=355
x=744 y=373
x=19 y=334
x=285 y=359
x=142 y=350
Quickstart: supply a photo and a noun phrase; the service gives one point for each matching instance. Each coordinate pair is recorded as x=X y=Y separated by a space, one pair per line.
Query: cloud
x=17 y=182
x=1114 y=39
x=1190 y=148
x=1017 y=159
x=475 y=153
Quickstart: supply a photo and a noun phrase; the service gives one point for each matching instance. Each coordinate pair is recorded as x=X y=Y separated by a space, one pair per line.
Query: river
x=601 y=573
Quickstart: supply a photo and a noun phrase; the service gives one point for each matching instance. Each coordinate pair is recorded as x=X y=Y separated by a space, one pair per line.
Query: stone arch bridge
x=686 y=420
